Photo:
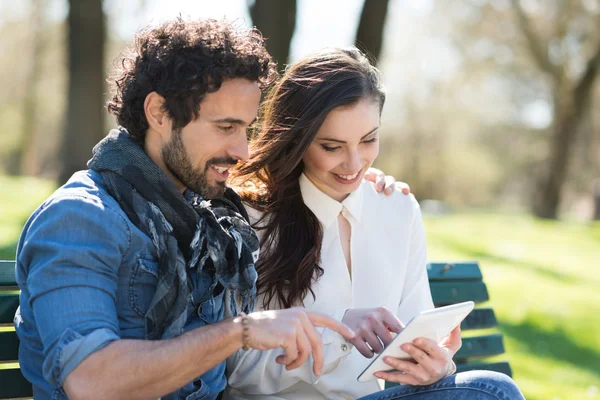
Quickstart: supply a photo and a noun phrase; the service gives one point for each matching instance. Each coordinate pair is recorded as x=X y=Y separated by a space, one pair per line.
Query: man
x=124 y=270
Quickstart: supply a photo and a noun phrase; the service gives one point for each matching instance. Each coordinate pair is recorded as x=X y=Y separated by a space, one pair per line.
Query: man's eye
x=227 y=128
x=330 y=149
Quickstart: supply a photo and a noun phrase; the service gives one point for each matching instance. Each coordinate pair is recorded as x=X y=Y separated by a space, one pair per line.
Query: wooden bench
x=450 y=283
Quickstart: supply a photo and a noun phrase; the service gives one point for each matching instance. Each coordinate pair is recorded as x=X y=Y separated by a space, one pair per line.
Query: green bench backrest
x=456 y=282
x=12 y=383
x=450 y=283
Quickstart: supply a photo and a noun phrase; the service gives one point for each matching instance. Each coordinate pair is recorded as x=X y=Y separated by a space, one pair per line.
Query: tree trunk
x=568 y=114
x=276 y=20
x=548 y=193
x=85 y=112
x=369 y=36
x=22 y=160
x=596 y=194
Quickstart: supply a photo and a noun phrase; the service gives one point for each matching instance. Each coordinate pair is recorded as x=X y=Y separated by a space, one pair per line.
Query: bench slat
x=7 y=273
x=8 y=306
x=14 y=384
x=453 y=271
x=9 y=346
x=480 y=346
x=445 y=293
x=479 y=318
x=502 y=367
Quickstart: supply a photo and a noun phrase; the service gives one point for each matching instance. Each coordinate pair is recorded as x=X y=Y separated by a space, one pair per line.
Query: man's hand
x=431 y=361
x=372 y=327
x=294 y=331
x=386 y=184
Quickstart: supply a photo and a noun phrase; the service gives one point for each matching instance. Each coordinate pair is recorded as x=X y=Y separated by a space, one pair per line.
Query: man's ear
x=158 y=119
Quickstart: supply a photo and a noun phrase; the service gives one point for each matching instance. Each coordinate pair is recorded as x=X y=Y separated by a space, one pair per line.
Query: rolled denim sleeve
x=72 y=252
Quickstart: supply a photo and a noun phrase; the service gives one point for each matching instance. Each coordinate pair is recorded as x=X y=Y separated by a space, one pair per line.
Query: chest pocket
x=211 y=310
x=142 y=284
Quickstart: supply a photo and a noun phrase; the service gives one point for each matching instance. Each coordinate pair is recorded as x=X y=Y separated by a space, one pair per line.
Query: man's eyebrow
x=236 y=121
x=342 y=141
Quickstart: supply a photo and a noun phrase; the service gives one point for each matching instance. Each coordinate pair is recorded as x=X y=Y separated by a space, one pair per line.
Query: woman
x=331 y=244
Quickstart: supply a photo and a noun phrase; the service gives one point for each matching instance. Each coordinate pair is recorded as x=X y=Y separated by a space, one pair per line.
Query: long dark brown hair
x=293 y=112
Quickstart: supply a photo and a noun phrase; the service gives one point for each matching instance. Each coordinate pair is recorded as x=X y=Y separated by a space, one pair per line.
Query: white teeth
x=220 y=169
x=348 y=177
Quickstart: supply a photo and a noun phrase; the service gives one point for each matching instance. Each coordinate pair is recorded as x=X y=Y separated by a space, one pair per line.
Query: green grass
x=543 y=279
x=544 y=284
x=18 y=198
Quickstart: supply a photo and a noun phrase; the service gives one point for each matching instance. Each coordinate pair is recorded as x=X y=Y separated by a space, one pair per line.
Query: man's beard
x=178 y=162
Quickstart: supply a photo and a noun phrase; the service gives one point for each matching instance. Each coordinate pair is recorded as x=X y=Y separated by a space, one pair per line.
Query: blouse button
x=344 y=212
x=344 y=347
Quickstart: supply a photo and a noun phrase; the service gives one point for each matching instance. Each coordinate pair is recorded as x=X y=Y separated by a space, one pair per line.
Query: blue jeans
x=471 y=385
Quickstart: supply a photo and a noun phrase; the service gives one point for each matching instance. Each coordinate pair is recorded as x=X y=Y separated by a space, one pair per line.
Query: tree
x=22 y=159
x=276 y=20
x=84 y=125
x=540 y=51
x=570 y=98
x=369 y=35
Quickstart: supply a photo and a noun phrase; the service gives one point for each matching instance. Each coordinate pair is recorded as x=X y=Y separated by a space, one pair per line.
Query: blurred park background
x=492 y=117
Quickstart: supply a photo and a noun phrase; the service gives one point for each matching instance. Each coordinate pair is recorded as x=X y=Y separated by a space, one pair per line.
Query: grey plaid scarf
x=191 y=235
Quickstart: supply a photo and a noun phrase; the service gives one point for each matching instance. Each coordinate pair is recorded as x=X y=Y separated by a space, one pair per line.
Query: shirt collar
x=327 y=209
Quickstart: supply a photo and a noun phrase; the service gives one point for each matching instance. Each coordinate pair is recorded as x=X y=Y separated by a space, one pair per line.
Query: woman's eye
x=370 y=140
x=330 y=149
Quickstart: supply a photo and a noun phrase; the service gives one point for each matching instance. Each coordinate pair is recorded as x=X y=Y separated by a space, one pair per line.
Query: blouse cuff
x=336 y=347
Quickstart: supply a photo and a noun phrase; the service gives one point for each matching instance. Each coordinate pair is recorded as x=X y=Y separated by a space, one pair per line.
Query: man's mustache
x=222 y=161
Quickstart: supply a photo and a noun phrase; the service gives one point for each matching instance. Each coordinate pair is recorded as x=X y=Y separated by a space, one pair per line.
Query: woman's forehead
x=346 y=122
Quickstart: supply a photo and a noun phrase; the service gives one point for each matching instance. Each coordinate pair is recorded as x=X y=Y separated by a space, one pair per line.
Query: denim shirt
x=87 y=276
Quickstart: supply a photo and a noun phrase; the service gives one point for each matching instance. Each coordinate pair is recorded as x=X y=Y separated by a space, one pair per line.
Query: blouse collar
x=327 y=209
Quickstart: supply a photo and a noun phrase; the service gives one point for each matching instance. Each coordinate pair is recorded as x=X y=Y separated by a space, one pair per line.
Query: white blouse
x=388 y=254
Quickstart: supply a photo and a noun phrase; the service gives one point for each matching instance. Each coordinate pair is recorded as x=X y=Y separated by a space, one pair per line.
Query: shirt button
x=344 y=347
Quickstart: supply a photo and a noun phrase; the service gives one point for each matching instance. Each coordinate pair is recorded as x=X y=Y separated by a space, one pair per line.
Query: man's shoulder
x=80 y=215
x=84 y=196
x=86 y=186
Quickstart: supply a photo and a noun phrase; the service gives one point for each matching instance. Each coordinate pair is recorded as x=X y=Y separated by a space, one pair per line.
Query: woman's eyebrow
x=342 y=141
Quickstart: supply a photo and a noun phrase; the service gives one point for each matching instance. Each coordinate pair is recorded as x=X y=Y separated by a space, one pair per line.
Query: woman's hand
x=431 y=361
x=386 y=184
x=372 y=327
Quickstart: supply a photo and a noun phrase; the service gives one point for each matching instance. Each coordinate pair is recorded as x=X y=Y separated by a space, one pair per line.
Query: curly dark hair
x=183 y=60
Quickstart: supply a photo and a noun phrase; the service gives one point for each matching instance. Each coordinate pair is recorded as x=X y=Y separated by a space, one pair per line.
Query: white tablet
x=434 y=324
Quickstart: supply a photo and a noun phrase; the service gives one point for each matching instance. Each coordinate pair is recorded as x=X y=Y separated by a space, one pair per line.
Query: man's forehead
x=236 y=99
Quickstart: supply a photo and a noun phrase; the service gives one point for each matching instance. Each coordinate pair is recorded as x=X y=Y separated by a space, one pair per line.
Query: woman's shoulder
x=258 y=219
x=254 y=214
x=397 y=203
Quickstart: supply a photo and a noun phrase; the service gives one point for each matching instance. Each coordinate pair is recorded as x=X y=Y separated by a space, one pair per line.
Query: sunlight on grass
x=18 y=198
x=543 y=281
